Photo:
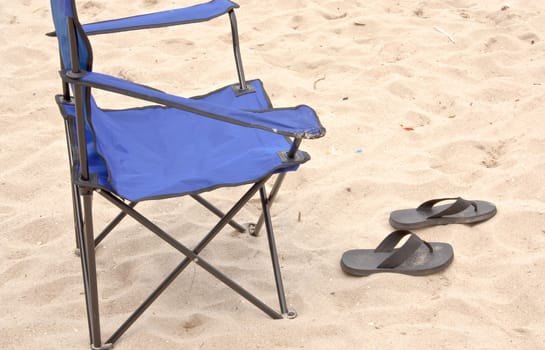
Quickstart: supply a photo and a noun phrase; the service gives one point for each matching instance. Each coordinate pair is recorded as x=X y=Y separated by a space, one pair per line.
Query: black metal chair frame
x=83 y=188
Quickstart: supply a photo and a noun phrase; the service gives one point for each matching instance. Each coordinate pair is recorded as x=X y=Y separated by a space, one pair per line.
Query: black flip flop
x=461 y=211
x=416 y=257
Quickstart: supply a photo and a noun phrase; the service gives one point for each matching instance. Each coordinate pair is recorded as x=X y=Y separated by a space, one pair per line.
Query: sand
x=421 y=100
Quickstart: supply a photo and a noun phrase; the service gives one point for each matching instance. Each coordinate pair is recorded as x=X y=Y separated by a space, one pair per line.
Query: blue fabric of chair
x=154 y=152
x=187 y=145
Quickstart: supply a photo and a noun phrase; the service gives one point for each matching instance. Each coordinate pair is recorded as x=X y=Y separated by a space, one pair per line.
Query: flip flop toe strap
x=458 y=206
x=404 y=252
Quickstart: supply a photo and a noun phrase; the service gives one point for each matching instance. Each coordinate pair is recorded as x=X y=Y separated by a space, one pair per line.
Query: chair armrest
x=300 y=121
x=197 y=13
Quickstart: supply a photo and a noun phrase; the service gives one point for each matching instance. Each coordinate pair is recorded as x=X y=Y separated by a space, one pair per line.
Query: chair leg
x=87 y=249
x=79 y=231
x=191 y=256
x=87 y=243
x=254 y=231
x=274 y=254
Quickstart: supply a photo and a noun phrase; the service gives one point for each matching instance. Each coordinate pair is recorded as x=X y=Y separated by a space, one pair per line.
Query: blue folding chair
x=177 y=146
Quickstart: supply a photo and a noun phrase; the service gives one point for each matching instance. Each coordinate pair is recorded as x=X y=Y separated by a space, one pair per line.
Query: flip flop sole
x=364 y=262
x=409 y=219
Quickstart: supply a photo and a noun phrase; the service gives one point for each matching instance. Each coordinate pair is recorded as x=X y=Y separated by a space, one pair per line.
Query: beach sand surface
x=421 y=100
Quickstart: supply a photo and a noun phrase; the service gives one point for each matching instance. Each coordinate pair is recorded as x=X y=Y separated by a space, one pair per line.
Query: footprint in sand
x=501 y=43
x=530 y=38
x=92 y=5
x=492 y=154
x=463 y=156
x=503 y=18
x=194 y=321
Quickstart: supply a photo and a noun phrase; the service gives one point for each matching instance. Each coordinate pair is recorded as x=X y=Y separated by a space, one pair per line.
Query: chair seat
x=157 y=152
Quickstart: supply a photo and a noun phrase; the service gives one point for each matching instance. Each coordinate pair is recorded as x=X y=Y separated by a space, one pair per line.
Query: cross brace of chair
x=87 y=244
x=251 y=228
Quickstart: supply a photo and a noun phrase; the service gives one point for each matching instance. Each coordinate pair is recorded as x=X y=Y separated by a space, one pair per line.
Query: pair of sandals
x=416 y=256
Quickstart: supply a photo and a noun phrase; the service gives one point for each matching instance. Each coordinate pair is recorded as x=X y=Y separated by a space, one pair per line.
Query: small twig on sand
x=440 y=30
x=316 y=82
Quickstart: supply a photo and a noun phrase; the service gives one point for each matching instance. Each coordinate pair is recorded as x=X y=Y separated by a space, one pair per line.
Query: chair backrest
x=66 y=21
x=65 y=15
